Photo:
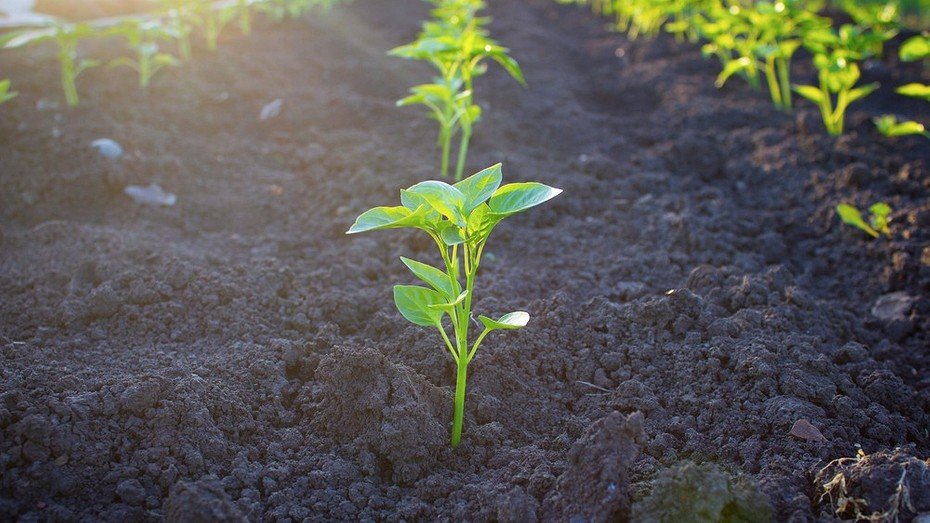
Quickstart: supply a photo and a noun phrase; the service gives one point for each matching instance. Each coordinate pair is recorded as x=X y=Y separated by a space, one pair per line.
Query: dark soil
x=237 y=356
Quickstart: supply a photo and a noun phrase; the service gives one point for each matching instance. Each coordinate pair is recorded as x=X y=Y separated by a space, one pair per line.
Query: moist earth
x=236 y=356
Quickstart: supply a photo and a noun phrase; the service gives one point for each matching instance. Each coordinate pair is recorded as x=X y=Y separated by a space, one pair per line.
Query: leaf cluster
x=878 y=218
x=457 y=44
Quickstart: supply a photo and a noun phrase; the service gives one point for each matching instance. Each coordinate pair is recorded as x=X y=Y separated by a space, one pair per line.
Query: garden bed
x=237 y=354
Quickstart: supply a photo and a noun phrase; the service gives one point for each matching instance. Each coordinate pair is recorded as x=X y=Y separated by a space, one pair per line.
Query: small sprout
x=142 y=37
x=878 y=220
x=888 y=125
x=459 y=218
x=66 y=37
x=457 y=45
x=5 y=93
x=838 y=74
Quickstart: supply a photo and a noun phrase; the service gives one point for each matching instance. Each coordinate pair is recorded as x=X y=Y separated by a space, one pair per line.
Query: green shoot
x=142 y=36
x=459 y=218
x=915 y=48
x=878 y=219
x=838 y=76
x=5 y=93
x=66 y=37
x=889 y=126
x=456 y=44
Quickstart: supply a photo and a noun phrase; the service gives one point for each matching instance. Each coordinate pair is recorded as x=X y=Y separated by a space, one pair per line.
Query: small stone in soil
x=804 y=430
x=108 y=148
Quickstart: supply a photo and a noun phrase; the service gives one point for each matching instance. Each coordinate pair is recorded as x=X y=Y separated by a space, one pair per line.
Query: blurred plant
x=889 y=126
x=5 y=93
x=457 y=45
x=836 y=56
x=459 y=218
x=142 y=37
x=878 y=219
x=764 y=38
x=66 y=37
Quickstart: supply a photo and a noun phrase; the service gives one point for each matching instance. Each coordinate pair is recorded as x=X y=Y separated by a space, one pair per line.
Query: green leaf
x=915 y=48
x=517 y=197
x=480 y=223
x=442 y=197
x=414 y=303
x=510 y=321
x=436 y=278
x=511 y=66
x=451 y=234
x=915 y=90
x=480 y=186
x=851 y=216
x=388 y=218
x=889 y=126
x=735 y=66
x=449 y=306
x=811 y=93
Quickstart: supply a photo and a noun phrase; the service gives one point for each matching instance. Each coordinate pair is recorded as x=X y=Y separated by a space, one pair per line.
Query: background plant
x=878 y=218
x=459 y=219
x=5 y=93
x=142 y=37
x=456 y=43
x=66 y=37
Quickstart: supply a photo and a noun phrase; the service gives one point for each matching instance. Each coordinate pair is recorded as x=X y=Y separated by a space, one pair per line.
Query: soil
x=236 y=356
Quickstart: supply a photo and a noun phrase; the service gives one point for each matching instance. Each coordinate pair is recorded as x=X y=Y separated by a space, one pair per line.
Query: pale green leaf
x=414 y=304
x=509 y=321
x=516 y=197
x=436 y=278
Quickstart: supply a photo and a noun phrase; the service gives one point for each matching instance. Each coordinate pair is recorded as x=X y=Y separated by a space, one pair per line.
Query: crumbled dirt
x=237 y=353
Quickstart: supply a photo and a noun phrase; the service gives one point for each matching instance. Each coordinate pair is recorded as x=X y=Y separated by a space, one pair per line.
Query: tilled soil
x=693 y=294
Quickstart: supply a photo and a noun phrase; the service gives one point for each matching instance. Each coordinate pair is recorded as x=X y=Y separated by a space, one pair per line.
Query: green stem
x=784 y=78
x=772 y=81
x=459 y=415
x=463 y=153
x=446 y=138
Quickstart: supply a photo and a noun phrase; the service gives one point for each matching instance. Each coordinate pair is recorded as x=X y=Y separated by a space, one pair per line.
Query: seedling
x=456 y=44
x=889 y=126
x=66 y=38
x=142 y=36
x=878 y=219
x=459 y=218
x=837 y=89
x=5 y=93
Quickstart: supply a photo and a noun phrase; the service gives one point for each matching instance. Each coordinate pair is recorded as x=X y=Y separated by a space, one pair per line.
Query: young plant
x=142 y=36
x=889 y=126
x=66 y=37
x=212 y=19
x=5 y=93
x=179 y=23
x=838 y=76
x=878 y=219
x=456 y=44
x=459 y=218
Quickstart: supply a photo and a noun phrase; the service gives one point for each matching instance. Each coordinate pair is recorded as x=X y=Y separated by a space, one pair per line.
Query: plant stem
x=463 y=153
x=459 y=415
x=784 y=77
x=446 y=138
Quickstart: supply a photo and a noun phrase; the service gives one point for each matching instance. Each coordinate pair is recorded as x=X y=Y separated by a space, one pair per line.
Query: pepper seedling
x=5 y=93
x=456 y=44
x=142 y=36
x=459 y=218
x=66 y=37
x=878 y=219
x=889 y=126
x=838 y=75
